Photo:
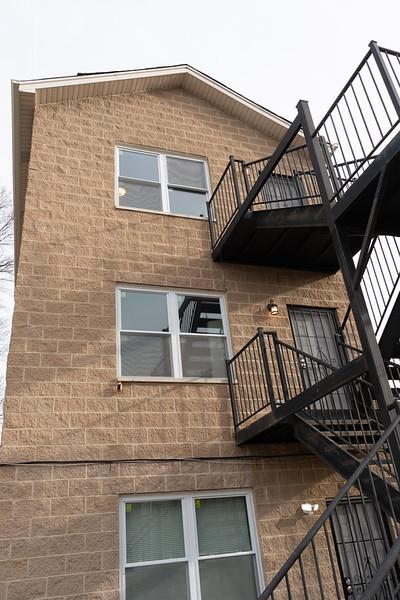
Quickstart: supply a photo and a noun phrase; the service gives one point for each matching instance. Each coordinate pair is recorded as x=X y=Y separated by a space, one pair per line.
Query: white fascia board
x=36 y=84
x=31 y=86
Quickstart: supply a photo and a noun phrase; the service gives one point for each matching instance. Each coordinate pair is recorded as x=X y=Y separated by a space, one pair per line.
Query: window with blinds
x=193 y=547
x=161 y=182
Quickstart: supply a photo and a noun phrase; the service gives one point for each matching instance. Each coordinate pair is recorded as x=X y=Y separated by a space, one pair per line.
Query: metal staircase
x=328 y=198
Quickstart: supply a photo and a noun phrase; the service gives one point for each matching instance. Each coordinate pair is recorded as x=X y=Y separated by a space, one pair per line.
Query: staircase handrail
x=308 y=538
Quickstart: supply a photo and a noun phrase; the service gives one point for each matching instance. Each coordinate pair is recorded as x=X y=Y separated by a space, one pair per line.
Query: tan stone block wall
x=59 y=529
x=61 y=401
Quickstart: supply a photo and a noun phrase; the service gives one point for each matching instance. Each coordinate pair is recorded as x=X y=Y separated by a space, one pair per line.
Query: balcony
x=271 y=211
x=275 y=221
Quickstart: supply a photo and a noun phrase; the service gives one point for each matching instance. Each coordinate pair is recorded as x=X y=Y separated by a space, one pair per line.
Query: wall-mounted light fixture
x=309 y=509
x=273 y=307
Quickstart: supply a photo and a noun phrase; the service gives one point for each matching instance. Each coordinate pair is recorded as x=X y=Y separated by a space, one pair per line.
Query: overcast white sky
x=274 y=52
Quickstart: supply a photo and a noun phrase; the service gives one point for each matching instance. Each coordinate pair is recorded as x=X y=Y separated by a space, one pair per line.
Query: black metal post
x=281 y=366
x=267 y=372
x=245 y=177
x=210 y=224
x=365 y=246
x=232 y=395
x=235 y=180
x=388 y=81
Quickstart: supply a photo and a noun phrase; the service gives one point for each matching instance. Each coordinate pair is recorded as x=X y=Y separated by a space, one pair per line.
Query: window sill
x=196 y=380
x=160 y=212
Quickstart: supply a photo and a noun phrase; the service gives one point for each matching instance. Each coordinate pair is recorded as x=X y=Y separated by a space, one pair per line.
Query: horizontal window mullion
x=145 y=332
x=142 y=181
x=221 y=335
x=227 y=555
x=190 y=188
x=152 y=563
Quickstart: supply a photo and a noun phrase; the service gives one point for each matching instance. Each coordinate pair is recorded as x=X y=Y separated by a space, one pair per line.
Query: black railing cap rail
x=239 y=352
x=266 y=158
x=297 y=350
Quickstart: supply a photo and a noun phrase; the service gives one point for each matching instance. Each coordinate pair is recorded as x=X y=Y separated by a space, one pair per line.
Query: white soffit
x=129 y=82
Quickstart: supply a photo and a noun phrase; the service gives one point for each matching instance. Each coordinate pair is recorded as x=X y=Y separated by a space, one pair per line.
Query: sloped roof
x=30 y=93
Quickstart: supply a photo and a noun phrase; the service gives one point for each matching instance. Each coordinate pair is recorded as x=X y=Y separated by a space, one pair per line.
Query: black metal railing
x=348 y=338
x=268 y=372
x=380 y=284
x=227 y=198
x=362 y=120
x=319 y=570
x=350 y=417
x=291 y=184
x=381 y=279
x=254 y=169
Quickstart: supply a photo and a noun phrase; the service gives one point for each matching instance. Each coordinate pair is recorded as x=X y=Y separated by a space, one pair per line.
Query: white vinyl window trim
x=163 y=181
x=174 y=332
x=192 y=556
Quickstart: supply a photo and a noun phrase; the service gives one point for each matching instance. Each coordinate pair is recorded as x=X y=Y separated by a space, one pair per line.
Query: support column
x=373 y=356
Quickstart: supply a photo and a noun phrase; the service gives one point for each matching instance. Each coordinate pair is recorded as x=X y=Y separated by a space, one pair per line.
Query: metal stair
x=328 y=199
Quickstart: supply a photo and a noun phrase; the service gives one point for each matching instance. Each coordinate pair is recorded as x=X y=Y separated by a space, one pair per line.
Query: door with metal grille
x=361 y=533
x=314 y=331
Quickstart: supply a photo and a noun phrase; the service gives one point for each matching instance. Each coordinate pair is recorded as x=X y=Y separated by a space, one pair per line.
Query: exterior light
x=121 y=191
x=273 y=307
x=309 y=509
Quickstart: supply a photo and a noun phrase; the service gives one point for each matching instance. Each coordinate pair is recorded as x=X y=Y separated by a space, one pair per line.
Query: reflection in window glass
x=134 y=194
x=138 y=165
x=203 y=356
x=200 y=315
x=187 y=173
x=143 y=311
x=145 y=354
x=186 y=202
x=156 y=582
x=231 y=577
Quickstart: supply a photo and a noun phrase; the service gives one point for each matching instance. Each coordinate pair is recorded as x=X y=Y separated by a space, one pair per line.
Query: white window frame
x=174 y=333
x=192 y=557
x=163 y=175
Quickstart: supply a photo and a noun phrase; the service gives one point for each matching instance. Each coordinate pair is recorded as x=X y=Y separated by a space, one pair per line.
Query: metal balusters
x=318 y=568
x=226 y=199
x=362 y=120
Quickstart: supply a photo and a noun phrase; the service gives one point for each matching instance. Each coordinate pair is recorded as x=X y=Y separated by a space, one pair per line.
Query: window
x=189 y=547
x=282 y=191
x=170 y=334
x=161 y=182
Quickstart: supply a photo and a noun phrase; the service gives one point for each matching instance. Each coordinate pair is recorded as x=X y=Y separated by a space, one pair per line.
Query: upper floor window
x=171 y=334
x=161 y=182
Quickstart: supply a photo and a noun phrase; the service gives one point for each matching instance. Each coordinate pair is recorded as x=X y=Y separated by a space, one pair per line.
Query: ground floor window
x=189 y=547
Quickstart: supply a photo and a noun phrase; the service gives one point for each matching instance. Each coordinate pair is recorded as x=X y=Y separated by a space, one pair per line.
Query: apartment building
x=180 y=412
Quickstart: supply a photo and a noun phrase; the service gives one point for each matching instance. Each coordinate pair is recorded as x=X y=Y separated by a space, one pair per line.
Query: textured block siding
x=59 y=525
x=61 y=401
